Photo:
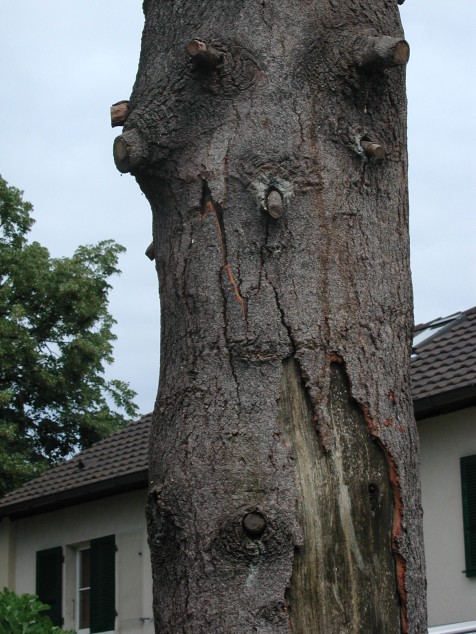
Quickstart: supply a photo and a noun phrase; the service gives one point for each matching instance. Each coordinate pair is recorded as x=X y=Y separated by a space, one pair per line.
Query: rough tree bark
x=270 y=139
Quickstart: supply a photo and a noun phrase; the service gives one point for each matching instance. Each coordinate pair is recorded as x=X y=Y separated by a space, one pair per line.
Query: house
x=444 y=397
x=77 y=537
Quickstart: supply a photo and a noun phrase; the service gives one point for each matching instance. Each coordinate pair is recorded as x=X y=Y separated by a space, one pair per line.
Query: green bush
x=21 y=614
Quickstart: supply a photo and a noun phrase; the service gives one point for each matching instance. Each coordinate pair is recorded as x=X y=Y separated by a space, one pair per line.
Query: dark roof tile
x=121 y=455
x=447 y=361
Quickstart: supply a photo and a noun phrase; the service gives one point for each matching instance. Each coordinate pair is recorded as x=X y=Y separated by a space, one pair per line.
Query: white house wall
x=121 y=515
x=444 y=440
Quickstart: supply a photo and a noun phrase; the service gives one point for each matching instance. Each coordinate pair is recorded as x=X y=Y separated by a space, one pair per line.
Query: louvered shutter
x=468 y=487
x=49 y=582
x=103 y=584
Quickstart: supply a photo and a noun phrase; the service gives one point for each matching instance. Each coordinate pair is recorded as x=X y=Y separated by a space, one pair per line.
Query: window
x=95 y=584
x=468 y=488
x=424 y=333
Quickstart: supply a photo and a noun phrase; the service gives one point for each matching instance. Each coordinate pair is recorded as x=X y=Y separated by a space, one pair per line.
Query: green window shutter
x=49 y=582
x=468 y=487
x=103 y=584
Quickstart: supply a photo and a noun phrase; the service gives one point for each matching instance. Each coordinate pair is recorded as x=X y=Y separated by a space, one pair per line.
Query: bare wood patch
x=346 y=564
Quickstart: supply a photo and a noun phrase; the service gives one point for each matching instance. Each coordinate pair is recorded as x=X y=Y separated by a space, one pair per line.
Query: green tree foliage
x=21 y=614
x=55 y=338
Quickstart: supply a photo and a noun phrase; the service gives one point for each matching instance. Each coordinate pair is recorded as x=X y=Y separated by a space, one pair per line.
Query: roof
x=443 y=379
x=116 y=464
x=444 y=364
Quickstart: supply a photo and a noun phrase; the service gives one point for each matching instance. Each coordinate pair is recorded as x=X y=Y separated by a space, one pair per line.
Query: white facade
x=444 y=440
x=122 y=516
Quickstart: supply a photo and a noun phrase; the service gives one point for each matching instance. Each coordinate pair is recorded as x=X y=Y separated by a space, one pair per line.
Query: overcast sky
x=63 y=63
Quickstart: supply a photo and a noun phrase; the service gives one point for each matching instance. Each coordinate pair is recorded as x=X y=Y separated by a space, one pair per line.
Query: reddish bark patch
x=236 y=291
x=210 y=209
x=374 y=427
x=336 y=358
x=396 y=534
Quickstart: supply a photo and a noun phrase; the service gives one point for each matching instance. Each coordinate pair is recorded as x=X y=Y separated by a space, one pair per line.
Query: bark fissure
x=282 y=314
x=214 y=208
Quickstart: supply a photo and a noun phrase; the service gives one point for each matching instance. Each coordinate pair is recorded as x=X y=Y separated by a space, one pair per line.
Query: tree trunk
x=270 y=140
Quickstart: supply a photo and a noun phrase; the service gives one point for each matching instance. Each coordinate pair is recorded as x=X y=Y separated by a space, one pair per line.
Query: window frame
x=77 y=589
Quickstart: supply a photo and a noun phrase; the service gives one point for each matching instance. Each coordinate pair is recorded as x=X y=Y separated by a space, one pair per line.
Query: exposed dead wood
x=150 y=251
x=203 y=53
x=381 y=52
x=372 y=149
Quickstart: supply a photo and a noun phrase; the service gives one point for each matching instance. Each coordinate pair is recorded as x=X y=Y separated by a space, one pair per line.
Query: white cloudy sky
x=63 y=63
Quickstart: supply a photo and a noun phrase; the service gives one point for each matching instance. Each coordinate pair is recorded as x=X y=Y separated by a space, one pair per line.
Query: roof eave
x=79 y=495
x=445 y=402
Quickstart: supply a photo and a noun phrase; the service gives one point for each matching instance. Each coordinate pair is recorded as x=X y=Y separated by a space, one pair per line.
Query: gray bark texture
x=270 y=138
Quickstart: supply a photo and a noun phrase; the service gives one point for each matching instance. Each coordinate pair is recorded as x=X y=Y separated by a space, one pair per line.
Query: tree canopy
x=55 y=339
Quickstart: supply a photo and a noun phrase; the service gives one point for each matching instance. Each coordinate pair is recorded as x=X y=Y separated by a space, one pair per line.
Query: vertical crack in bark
x=296 y=111
x=226 y=169
x=262 y=258
x=263 y=272
x=185 y=292
x=236 y=289
x=210 y=206
x=283 y=318
x=227 y=341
